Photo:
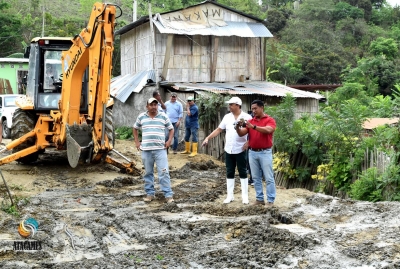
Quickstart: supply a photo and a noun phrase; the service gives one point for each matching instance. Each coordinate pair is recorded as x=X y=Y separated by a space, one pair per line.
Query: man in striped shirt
x=153 y=146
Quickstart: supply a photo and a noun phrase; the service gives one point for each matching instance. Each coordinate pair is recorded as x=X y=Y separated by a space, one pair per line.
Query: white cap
x=234 y=100
x=151 y=100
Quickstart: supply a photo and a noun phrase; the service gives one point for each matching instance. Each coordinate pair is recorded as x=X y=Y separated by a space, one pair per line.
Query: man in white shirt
x=235 y=149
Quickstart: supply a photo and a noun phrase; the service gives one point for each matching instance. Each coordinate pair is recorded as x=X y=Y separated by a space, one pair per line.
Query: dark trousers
x=233 y=160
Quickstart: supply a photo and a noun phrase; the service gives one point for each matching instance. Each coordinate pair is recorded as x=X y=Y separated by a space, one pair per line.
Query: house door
x=22 y=76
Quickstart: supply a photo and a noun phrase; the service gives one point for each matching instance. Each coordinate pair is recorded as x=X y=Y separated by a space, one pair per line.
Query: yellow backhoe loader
x=67 y=104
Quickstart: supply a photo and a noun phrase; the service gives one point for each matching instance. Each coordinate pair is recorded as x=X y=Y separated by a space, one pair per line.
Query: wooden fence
x=372 y=158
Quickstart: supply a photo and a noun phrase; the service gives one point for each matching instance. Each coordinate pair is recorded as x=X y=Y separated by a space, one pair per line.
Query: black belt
x=258 y=149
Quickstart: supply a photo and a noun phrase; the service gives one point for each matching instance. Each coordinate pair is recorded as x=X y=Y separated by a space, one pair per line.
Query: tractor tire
x=24 y=122
x=110 y=132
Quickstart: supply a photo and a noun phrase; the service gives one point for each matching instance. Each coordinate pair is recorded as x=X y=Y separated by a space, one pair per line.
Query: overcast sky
x=394 y=2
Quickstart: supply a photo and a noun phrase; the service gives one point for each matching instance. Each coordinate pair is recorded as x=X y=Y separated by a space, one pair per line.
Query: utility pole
x=134 y=15
x=43 y=20
x=154 y=43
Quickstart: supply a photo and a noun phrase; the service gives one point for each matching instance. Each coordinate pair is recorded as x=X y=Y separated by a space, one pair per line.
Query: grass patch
x=13 y=209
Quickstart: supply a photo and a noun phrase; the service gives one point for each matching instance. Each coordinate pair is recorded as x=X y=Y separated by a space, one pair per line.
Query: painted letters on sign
x=198 y=17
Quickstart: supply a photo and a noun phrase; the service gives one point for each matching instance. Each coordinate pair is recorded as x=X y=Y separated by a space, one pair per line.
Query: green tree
x=381 y=107
x=9 y=31
x=284 y=116
x=343 y=10
x=325 y=67
x=276 y=20
x=250 y=7
x=378 y=74
x=348 y=91
x=316 y=11
x=384 y=46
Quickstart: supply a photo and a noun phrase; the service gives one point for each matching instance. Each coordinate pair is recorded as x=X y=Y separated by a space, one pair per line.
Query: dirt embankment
x=109 y=226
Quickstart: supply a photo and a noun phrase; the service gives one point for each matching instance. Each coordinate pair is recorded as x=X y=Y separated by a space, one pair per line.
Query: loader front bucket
x=79 y=146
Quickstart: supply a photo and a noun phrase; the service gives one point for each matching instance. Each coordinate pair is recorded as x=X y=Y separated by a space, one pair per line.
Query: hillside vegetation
x=353 y=43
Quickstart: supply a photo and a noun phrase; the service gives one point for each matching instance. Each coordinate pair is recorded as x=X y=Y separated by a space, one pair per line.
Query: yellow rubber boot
x=194 y=149
x=187 y=148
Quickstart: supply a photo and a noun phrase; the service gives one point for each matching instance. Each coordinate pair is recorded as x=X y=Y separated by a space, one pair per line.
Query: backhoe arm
x=92 y=48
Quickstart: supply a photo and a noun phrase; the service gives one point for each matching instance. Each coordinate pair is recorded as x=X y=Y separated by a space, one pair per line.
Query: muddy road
x=94 y=217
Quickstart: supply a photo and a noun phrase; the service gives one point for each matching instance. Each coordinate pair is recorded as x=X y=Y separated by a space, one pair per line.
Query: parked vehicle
x=67 y=104
x=7 y=108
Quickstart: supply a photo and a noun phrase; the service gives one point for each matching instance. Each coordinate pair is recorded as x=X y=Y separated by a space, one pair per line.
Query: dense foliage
x=338 y=151
x=315 y=40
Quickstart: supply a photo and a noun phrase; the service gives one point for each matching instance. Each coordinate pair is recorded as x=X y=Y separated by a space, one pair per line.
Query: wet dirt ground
x=111 y=227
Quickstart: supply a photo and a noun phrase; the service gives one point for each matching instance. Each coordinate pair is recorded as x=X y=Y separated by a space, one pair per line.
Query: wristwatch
x=254 y=127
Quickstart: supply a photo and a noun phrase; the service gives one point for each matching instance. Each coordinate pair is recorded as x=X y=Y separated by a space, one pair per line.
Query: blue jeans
x=191 y=131
x=176 y=136
x=149 y=157
x=261 y=164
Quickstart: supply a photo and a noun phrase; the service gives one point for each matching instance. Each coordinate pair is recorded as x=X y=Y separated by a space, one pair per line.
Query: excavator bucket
x=79 y=138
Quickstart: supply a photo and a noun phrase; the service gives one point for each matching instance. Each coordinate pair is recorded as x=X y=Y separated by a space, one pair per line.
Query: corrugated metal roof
x=145 y=19
x=253 y=87
x=14 y=60
x=242 y=29
x=122 y=86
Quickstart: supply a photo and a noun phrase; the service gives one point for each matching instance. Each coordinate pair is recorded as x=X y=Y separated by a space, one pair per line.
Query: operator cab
x=44 y=82
x=51 y=80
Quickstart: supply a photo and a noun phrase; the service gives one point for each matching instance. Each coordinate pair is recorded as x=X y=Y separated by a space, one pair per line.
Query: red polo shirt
x=258 y=140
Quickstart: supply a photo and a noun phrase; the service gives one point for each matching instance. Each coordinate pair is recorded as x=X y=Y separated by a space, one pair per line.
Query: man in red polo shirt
x=260 y=129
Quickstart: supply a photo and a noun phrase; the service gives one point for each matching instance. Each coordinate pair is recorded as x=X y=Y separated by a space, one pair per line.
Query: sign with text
x=198 y=17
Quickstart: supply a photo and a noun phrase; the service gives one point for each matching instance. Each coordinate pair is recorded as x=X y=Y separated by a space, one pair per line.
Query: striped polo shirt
x=153 y=130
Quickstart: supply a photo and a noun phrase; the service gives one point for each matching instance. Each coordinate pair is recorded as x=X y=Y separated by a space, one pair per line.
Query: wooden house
x=206 y=42
x=207 y=47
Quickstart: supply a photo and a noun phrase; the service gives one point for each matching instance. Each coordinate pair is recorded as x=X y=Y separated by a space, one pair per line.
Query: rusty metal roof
x=122 y=86
x=372 y=123
x=242 y=29
x=252 y=87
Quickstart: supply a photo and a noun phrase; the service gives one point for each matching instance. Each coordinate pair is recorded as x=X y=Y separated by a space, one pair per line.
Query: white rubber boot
x=230 y=185
x=245 y=190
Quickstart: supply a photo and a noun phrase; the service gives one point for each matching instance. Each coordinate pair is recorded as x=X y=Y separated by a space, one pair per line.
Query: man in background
x=161 y=106
x=191 y=127
x=174 y=113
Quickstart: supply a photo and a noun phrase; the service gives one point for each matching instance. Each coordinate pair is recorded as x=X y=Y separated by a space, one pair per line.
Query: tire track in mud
x=113 y=228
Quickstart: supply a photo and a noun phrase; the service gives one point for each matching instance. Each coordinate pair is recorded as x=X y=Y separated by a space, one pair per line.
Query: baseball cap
x=174 y=94
x=151 y=100
x=190 y=98
x=234 y=100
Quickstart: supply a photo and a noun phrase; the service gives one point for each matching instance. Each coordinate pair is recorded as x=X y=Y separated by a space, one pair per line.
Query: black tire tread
x=24 y=122
x=6 y=131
